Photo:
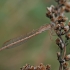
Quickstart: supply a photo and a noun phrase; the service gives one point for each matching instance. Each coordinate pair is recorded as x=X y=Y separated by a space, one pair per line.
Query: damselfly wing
x=20 y=40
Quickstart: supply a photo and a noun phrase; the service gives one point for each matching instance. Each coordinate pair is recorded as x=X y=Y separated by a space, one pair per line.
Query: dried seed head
x=62 y=25
x=67 y=9
x=58 y=55
x=65 y=65
x=26 y=65
x=67 y=57
x=67 y=68
x=32 y=67
x=53 y=19
x=58 y=32
x=41 y=64
x=38 y=68
x=68 y=36
x=62 y=2
x=57 y=27
x=42 y=67
x=69 y=24
x=66 y=28
x=62 y=19
x=48 y=67
x=67 y=6
x=50 y=9
x=49 y=15
x=58 y=41
x=35 y=68
x=62 y=9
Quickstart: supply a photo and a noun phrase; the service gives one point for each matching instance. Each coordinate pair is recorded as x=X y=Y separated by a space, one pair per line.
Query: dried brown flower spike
x=40 y=67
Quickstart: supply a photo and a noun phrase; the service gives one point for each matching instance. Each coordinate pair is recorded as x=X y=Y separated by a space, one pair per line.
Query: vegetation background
x=18 y=17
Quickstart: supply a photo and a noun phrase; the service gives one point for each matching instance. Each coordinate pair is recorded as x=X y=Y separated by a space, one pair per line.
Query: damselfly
x=55 y=15
x=19 y=40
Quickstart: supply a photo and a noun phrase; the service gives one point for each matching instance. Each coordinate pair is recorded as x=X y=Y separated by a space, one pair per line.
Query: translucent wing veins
x=19 y=40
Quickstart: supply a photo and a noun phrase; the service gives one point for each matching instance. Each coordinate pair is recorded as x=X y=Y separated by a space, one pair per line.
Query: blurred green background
x=18 y=17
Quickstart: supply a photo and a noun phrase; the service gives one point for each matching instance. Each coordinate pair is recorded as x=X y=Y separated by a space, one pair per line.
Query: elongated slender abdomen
x=20 y=40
